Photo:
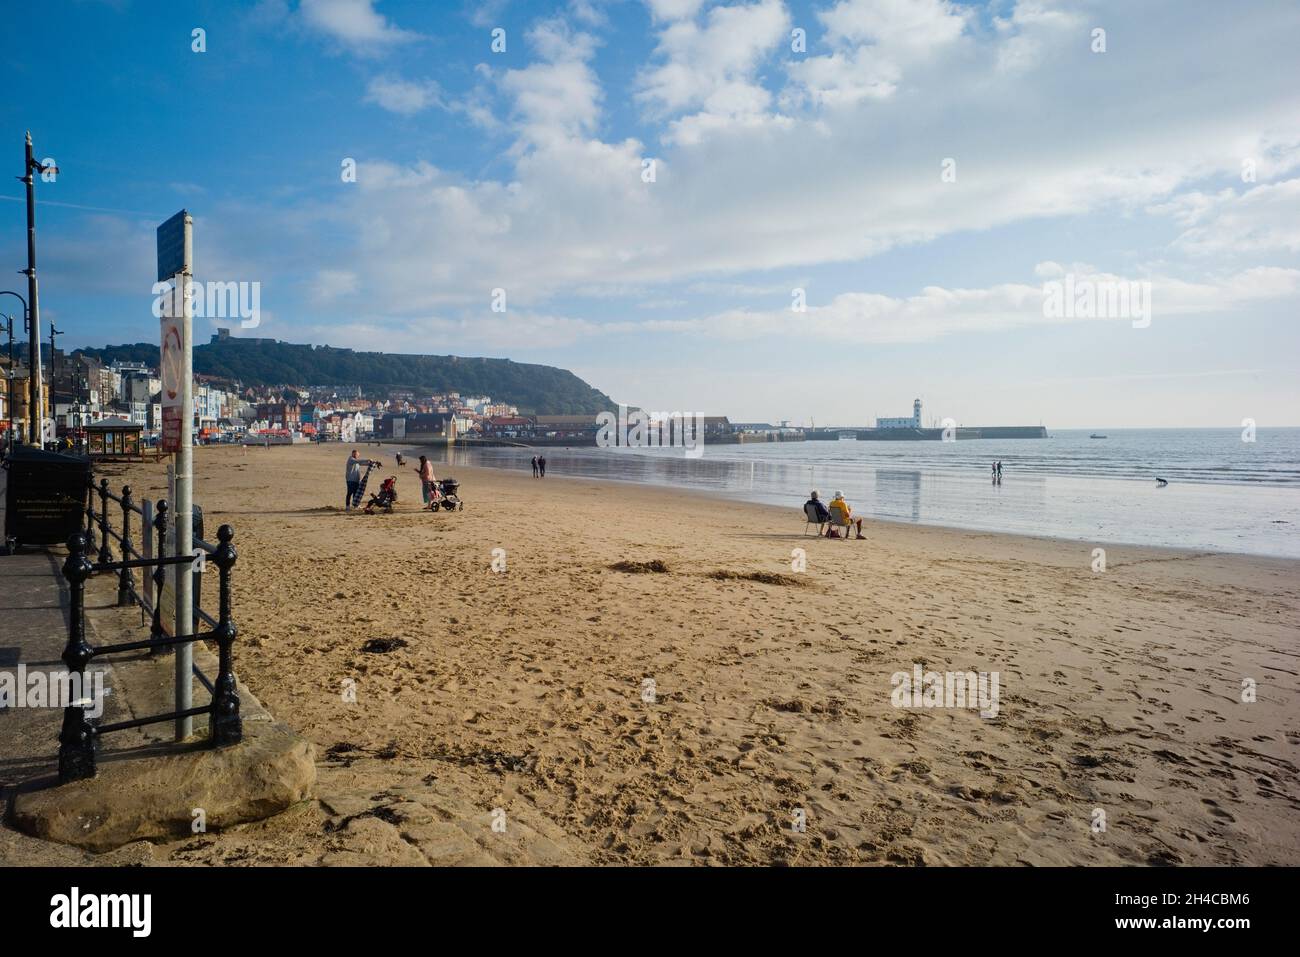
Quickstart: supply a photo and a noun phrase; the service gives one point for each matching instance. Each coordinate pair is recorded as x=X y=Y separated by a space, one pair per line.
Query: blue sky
x=1173 y=158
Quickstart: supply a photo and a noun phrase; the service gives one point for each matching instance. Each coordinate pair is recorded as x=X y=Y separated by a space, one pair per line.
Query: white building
x=909 y=423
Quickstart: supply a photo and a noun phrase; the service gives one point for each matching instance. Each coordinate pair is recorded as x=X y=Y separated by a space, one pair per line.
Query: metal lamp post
x=33 y=299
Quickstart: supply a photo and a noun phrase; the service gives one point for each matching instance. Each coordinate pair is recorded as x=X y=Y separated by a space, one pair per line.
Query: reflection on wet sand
x=1235 y=518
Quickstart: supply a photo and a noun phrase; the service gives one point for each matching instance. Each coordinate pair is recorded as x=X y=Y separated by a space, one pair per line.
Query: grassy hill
x=535 y=389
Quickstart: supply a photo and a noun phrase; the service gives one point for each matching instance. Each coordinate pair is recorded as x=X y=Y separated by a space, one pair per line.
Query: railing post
x=226 y=726
x=90 y=517
x=159 y=573
x=146 y=548
x=125 y=579
x=77 y=738
x=105 y=552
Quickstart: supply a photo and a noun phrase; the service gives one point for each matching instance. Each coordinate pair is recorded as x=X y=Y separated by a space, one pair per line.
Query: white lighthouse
x=902 y=422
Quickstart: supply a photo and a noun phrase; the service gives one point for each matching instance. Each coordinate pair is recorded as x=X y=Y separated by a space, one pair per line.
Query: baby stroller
x=448 y=497
x=385 y=498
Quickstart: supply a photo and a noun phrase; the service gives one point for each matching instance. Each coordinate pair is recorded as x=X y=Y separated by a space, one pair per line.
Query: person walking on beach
x=541 y=465
x=534 y=466
x=428 y=482
x=999 y=469
x=993 y=473
x=353 y=474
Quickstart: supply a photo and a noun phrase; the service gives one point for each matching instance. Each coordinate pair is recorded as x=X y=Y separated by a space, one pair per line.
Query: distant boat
x=1096 y=436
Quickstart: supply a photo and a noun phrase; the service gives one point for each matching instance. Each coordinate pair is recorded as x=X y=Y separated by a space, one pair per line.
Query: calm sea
x=1224 y=494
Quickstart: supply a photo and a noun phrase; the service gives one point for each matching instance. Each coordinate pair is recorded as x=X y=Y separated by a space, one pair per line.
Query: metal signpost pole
x=175 y=263
x=185 y=515
x=33 y=300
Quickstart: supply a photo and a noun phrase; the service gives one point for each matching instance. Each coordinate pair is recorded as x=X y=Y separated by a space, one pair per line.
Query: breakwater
x=961 y=433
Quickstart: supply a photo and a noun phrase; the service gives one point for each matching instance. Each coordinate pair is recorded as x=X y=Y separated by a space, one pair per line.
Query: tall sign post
x=176 y=263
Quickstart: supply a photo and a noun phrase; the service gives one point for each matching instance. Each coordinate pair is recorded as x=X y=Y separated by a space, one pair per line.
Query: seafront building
x=912 y=422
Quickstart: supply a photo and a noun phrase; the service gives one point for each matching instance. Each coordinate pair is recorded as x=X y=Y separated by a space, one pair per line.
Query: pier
x=960 y=433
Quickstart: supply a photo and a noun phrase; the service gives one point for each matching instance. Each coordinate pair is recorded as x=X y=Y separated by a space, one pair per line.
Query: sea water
x=1224 y=494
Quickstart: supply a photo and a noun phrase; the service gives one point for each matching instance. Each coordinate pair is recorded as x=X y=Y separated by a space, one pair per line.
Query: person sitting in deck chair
x=818 y=508
x=845 y=516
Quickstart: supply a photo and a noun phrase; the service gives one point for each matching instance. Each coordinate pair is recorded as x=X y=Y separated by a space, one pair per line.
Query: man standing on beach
x=534 y=466
x=541 y=465
x=428 y=483
x=354 y=479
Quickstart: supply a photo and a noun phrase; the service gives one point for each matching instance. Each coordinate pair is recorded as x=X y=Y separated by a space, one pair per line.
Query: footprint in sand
x=1213 y=807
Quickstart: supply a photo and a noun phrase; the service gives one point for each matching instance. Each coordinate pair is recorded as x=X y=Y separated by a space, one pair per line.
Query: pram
x=448 y=496
x=385 y=498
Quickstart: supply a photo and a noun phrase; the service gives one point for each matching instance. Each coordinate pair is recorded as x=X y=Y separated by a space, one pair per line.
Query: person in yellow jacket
x=845 y=512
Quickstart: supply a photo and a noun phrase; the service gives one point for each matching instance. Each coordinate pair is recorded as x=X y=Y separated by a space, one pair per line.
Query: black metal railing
x=78 y=737
x=99 y=524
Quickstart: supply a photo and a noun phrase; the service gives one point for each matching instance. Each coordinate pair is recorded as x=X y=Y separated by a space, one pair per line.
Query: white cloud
x=558 y=96
x=842 y=78
x=333 y=284
x=354 y=23
x=745 y=192
x=1263 y=219
x=711 y=67
x=674 y=9
x=1033 y=29
x=589 y=12
x=874 y=42
x=902 y=29
x=403 y=96
x=935 y=312
x=851 y=318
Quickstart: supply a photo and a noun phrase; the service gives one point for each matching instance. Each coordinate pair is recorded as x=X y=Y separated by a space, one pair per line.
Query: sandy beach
x=696 y=714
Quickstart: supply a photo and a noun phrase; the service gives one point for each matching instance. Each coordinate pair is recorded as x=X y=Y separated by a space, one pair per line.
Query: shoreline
x=413 y=451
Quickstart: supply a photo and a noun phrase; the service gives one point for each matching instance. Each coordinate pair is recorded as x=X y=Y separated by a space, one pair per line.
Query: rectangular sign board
x=172 y=360
x=175 y=246
x=172 y=367
x=170 y=439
